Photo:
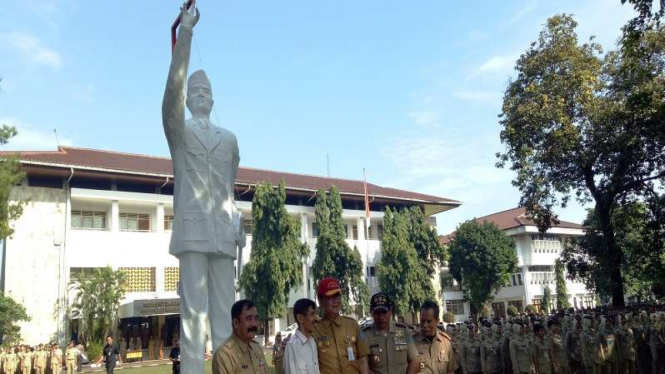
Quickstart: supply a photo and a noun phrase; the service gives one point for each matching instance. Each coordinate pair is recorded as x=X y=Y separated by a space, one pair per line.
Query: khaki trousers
x=71 y=366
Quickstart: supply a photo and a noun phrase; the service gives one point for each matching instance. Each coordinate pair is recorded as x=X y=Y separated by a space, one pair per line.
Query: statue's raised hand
x=187 y=19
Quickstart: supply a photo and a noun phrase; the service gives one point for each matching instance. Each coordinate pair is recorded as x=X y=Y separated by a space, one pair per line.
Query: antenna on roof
x=57 y=142
x=328 y=163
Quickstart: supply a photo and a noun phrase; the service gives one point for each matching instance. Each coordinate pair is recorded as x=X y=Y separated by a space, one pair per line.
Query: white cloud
x=29 y=48
x=32 y=138
x=479 y=96
x=497 y=65
x=522 y=12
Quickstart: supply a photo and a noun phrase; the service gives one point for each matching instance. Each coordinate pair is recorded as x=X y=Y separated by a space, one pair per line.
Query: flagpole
x=367 y=223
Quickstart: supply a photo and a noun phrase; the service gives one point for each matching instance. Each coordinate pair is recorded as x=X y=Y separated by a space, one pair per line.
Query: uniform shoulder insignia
x=446 y=336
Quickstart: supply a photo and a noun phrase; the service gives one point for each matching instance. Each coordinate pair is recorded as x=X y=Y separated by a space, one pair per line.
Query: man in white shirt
x=300 y=356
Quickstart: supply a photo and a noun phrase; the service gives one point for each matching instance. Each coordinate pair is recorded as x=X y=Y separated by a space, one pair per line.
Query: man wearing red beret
x=340 y=348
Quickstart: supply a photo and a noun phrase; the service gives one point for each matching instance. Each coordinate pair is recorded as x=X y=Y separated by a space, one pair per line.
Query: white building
x=90 y=208
x=536 y=254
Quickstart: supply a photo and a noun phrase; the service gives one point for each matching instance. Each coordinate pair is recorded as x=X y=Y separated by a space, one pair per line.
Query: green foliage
x=334 y=257
x=95 y=351
x=398 y=270
x=530 y=309
x=411 y=253
x=639 y=236
x=512 y=311
x=579 y=124
x=11 y=313
x=275 y=267
x=547 y=299
x=97 y=296
x=10 y=175
x=448 y=317
x=482 y=257
x=561 y=289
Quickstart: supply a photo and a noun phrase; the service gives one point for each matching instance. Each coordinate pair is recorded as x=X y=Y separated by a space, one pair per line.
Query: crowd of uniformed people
x=42 y=359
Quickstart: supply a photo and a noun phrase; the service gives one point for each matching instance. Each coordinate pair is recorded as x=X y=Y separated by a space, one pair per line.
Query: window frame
x=91 y=214
x=138 y=217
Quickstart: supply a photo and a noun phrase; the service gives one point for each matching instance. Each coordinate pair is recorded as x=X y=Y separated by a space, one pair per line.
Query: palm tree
x=96 y=302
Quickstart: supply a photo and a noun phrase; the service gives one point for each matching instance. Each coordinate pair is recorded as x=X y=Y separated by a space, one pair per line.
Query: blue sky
x=410 y=90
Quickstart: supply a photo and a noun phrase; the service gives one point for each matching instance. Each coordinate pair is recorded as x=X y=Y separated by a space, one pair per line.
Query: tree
x=334 y=257
x=561 y=289
x=512 y=311
x=482 y=257
x=10 y=176
x=97 y=296
x=547 y=299
x=430 y=253
x=275 y=267
x=639 y=235
x=580 y=125
x=398 y=269
x=11 y=313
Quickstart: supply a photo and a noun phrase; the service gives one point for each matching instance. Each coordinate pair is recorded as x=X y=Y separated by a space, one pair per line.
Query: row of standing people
x=42 y=359
x=336 y=344
x=563 y=344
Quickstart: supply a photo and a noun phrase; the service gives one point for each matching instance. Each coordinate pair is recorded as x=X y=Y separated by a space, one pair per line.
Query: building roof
x=510 y=219
x=143 y=165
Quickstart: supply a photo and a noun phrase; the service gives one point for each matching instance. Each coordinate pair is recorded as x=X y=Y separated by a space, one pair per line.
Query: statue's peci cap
x=198 y=77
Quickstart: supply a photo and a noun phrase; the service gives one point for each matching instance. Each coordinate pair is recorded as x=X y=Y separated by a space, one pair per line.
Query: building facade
x=536 y=254
x=88 y=209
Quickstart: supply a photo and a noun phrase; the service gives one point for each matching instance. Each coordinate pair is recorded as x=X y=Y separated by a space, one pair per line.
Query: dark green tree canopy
x=482 y=257
x=580 y=124
x=334 y=257
x=561 y=288
x=10 y=175
x=276 y=265
x=11 y=313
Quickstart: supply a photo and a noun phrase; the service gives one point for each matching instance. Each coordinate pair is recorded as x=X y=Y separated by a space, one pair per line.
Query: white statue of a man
x=207 y=228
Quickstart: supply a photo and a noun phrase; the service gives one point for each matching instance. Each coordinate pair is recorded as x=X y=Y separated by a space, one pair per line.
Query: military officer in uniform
x=556 y=345
x=542 y=361
x=26 y=360
x=520 y=354
x=591 y=352
x=40 y=357
x=470 y=353
x=11 y=361
x=340 y=347
x=71 y=354
x=626 y=339
x=56 y=359
x=491 y=350
x=240 y=353
x=391 y=347
x=435 y=351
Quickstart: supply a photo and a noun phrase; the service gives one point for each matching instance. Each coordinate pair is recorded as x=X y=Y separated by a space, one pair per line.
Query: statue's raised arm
x=173 y=105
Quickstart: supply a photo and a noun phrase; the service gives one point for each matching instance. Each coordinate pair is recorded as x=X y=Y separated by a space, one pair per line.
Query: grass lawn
x=166 y=369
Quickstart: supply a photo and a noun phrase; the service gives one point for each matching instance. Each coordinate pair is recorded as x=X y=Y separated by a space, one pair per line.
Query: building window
x=499 y=309
x=380 y=231
x=450 y=284
x=168 y=223
x=372 y=271
x=315 y=230
x=171 y=278
x=139 y=279
x=134 y=222
x=370 y=233
x=517 y=304
x=455 y=306
x=248 y=226
x=355 y=232
x=537 y=304
x=88 y=220
x=346 y=231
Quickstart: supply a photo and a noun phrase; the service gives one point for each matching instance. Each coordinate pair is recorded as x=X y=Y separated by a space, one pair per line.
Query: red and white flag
x=367 y=223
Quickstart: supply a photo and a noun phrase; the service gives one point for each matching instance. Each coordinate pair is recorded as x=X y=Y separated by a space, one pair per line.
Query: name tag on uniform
x=349 y=352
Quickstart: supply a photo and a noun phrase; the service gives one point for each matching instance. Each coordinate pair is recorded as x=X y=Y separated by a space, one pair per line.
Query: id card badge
x=349 y=352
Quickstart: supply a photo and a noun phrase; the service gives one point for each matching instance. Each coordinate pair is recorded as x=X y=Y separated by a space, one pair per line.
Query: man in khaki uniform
x=626 y=345
x=391 y=347
x=470 y=354
x=591 y=351
x=520 y=356
x=71 y=354
x=340 y=347
x=435 y=351
x=11 y=360
x=556 y=345
x=542 y=361
x=40 y=357
x=26 y=360
x=240 y=353
x=56 y=359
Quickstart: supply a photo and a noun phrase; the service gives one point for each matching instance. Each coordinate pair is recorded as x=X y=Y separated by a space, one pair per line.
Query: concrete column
x=159 y=279
x=115 y=216
x=305 y=266
x=360 y=222
x=160 y=217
